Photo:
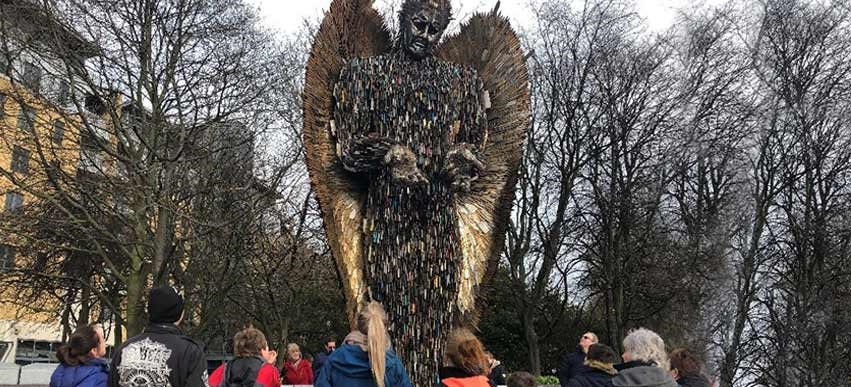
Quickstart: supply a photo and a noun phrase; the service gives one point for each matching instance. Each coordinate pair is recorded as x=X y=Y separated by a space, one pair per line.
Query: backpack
x=249 y=374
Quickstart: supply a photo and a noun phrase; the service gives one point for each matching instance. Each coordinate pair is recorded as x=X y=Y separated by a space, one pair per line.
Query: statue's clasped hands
x=403 y=166
x=461 y=166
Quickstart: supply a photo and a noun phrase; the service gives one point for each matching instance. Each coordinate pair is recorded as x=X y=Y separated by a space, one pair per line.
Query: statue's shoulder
x=457 y=70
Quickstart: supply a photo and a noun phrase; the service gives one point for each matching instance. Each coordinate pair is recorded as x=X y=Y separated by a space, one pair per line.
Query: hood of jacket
x=644 y=376
x=350 y=360
x=595 y=365
x=243 y=368
x=75 y=375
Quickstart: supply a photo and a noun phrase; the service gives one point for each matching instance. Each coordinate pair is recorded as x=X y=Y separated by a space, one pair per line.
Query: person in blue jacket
x=81 y=360
x=365 y=358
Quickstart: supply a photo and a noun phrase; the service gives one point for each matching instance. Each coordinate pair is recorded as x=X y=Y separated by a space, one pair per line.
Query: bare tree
x=799 y=55
x=173 y=86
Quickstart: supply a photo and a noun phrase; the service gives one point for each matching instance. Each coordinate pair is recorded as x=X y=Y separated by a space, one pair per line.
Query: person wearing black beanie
x=164 y=305
x=161 y=355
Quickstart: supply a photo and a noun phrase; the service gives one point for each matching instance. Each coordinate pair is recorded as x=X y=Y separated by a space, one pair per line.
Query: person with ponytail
x=465 y=363
x=81 y=360
x=365 y=358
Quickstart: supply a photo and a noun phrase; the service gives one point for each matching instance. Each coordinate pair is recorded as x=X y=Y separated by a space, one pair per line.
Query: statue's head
x=421 y=24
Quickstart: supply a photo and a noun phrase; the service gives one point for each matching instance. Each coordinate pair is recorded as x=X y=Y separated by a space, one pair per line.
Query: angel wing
x=487 y=43
x=350 y=28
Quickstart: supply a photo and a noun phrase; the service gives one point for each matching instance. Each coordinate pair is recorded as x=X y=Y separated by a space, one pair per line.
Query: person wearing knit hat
x=164 y=305
x=161 y=355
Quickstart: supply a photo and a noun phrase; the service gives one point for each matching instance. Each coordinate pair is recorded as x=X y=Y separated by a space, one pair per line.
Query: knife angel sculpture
x=413 y=146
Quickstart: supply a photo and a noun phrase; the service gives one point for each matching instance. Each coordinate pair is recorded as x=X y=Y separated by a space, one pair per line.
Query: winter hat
x=645 y=376
x=164 y=305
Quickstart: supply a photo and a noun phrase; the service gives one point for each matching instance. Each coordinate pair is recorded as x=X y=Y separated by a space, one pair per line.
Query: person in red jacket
x=465 y=364
x=297 y=370
x=253 y=361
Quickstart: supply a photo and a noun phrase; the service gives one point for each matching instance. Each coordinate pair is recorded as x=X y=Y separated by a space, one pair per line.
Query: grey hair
x=645 y=345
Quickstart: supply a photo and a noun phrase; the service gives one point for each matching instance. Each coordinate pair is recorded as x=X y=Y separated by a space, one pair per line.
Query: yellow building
x=40 y=121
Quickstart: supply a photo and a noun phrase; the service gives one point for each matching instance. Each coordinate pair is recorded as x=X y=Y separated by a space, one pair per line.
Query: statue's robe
x=410 y=234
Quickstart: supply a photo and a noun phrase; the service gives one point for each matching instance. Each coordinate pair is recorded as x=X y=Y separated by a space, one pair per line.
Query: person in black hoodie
x=161 y=355
x=687 y=367
x=600 y=370
x=572 y=363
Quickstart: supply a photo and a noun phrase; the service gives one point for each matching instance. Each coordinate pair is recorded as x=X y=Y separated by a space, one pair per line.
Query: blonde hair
x=292 y=347
x=372 y=322
x=645 y=345
x=465 y=351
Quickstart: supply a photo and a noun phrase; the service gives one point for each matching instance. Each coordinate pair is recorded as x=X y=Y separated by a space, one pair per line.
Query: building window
x=14 y=202
x=32 y=77
x=7 y=258
x=26 y=118
x=58 y=131
x=20 y=160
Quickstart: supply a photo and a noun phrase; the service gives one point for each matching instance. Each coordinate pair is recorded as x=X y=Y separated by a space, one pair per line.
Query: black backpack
x=248 y=375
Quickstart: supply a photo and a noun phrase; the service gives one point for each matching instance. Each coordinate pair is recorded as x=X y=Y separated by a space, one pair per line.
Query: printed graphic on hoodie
x=143 y=364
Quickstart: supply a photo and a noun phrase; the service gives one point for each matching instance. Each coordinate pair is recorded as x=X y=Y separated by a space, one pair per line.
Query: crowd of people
x=645 y=364
x=162 y=356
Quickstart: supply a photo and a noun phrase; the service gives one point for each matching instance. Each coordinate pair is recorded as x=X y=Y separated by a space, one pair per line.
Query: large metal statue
x=412 y=149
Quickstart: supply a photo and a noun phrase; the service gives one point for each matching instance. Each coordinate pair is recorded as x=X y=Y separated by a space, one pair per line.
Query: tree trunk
x=135 y=288
x=66 y=314
x=85 y=305
x=532 y=343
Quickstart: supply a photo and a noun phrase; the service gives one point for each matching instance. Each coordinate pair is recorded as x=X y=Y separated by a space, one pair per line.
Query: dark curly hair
x=79 y=346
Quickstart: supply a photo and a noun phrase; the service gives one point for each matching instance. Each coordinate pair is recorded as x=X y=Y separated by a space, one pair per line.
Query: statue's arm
x=360 y=147
x=463 y=165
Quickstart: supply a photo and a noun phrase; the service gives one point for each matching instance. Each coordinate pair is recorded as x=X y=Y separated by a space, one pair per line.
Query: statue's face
x=421 y=32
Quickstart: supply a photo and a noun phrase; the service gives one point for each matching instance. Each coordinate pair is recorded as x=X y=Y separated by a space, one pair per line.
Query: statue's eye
x=421 y=25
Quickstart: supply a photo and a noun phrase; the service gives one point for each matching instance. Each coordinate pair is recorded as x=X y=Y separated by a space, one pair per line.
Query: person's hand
x=462 y=167
x=403 y=166
x=270 y=355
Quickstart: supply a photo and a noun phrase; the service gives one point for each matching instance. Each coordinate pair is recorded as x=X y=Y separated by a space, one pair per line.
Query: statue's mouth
x=418 y=45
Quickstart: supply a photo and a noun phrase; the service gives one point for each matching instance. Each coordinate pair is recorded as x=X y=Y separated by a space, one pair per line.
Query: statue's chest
x=420 y=105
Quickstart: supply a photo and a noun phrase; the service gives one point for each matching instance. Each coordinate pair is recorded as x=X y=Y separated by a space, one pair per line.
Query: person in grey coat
x=645 y=361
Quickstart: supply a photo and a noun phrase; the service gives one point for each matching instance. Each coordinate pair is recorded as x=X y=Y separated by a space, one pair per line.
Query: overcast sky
x=287 y=15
